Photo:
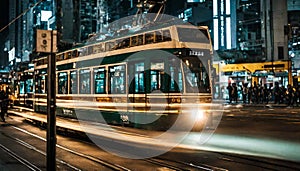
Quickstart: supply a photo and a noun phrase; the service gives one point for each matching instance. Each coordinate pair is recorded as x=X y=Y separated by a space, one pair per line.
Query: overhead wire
x=20 y=15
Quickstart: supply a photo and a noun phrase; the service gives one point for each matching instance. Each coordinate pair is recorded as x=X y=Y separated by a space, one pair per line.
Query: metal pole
x=51 y=114
x=290 y=77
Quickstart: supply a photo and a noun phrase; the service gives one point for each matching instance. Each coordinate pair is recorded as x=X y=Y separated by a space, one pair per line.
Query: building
x=21 y=37
x=224 y=24
x=293 y=32
x=274 y=17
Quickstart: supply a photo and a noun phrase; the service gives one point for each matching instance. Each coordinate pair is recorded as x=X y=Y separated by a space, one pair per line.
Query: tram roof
x=132 y=31
x=123 y=33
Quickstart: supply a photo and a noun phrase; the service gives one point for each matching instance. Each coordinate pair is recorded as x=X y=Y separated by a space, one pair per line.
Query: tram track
x=154 y=162
x=106 y=164
x=183 y=166
x=20 y=159
x=34 y=149
x=263 y=163
x=169 y=164
x=96 y=160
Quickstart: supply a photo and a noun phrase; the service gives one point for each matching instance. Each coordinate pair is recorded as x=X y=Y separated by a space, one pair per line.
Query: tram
x=152 y=75
x=24 y=89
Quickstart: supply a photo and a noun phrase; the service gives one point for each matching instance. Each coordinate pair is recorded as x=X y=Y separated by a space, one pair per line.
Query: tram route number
x=67 y=112
x=124 y=118
x=196 y=53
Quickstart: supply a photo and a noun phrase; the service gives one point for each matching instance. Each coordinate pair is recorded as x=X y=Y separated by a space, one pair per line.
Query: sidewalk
x=269 y=105
x=240 y=103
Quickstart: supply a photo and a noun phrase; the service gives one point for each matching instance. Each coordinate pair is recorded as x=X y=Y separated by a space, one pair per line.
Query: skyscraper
x=3 y=33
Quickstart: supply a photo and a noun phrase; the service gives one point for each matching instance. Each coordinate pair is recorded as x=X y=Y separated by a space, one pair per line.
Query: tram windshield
x=193 y=35
x=196 y=76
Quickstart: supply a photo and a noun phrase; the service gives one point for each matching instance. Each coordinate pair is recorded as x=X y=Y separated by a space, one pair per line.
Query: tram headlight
x=198 y=115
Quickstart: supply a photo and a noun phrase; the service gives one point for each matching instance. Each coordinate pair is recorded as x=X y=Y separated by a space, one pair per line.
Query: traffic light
x=44 y=38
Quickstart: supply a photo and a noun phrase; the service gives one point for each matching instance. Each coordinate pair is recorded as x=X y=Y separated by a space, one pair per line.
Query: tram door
x=136 y=83
x=155 y=76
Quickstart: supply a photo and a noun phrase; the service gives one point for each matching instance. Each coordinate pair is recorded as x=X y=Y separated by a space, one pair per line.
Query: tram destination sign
x=199 y=53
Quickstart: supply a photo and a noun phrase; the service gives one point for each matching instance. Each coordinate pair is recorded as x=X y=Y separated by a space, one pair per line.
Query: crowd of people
x=258 y=93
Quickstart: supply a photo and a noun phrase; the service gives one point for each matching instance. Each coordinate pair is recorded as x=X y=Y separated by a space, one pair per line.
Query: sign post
x=46 y=42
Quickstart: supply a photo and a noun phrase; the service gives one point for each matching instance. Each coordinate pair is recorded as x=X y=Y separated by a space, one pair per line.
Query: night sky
x=3 y=13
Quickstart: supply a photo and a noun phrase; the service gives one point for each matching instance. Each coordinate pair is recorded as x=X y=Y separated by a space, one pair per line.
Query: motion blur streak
x=238 y=144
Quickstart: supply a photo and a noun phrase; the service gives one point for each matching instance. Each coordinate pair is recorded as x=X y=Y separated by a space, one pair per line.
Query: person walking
x=276 y=93
x=230 y=92
x=235 y=93
x=250 y=94
x=245 y=92
x=2 y=94
x=290 y=95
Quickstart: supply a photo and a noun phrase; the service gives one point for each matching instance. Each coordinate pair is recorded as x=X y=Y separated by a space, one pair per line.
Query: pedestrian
x=235 y=92
x=265 y=92
x=276 y=92
x=295 y=97
x=230 y=92
x=290 y=95
x=255 y=93
x=245 y=92
x=250 y=94
x=2 y=94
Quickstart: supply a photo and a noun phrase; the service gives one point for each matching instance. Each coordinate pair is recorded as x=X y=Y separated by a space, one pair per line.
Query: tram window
x=166 y=35
x=60 y=57
x=90 y=50
x=125 y=43
x=100 y=78
x=73 y=82
x=149 y=38
x=98 y=48
x=140 y=39
x=83 y=51
x=22 y=87
x=41 y=84
x=116 y=45
x=29 y=86
x=63 y=83
x=155 y=80
x=139 y=85
x=156 y=75
x=197 y=79
x=109 y=46
x=69 y=54
x=117 y=79
x=85 y=81
x=158 y=36
x=176 y=84
x=74 y=53
x=134 y=41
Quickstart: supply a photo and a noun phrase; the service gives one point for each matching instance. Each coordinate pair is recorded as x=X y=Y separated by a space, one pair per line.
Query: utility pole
x=51 y=108
x=46 y=42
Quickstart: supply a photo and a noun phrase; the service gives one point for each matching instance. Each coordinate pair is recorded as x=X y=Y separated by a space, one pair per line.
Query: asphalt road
x=247 y=138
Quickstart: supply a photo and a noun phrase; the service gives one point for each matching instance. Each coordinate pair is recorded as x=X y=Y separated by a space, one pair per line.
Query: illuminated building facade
x=224 y=24
x=273 y=19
